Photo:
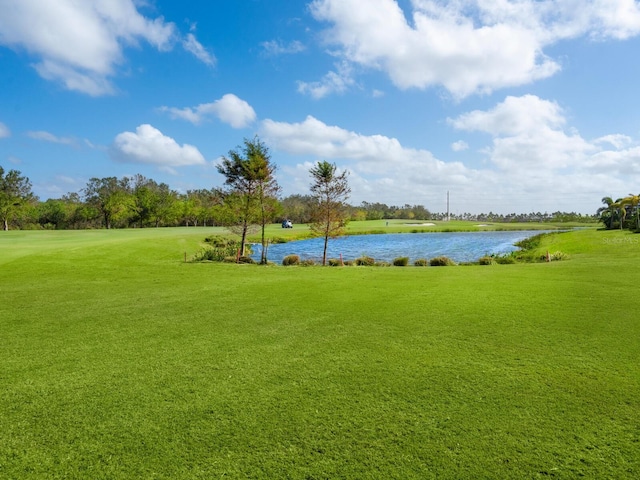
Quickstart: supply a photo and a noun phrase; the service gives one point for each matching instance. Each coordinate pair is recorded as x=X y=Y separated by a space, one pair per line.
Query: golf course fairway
x=118 y=359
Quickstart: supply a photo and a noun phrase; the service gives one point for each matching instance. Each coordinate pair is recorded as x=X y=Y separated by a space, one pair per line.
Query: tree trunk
x=5 y=224
x=265 y=247
x=324 y=252
x=263 y=256
x=243 y=240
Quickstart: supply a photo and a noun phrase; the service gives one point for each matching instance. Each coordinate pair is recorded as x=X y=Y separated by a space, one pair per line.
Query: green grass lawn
x=119 y=360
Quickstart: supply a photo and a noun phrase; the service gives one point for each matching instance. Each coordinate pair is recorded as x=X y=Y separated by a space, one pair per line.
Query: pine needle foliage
x=330 y=191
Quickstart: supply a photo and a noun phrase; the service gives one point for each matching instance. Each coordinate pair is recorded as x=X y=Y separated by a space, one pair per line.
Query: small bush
x=204 y=255
x=219 y=248
x=531 y=242
x=229 y=259
x=246 y=259
x=441 y=261
x=334 y=262
x=276 y=240
x=215 y=254
x=421 y=262
x=486 y=260
x=382 y=264
x=291 y=260
x=505 y=260
x=557 y=256
x=401 y=261
x=365 y=261
x=348 y=263
x=307 y=263
x=218 y=241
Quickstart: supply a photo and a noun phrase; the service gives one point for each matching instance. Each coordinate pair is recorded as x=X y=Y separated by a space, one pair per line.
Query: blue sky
x=512 y=106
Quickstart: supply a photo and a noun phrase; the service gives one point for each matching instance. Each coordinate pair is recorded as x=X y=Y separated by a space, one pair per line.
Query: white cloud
x=459 y=146
x=79 y=43
x=532 y=166
x=527 y=134
x=229 y=109
x=529 y=139
x=617 y=140
x=333 y=82
x=149 y=145
x=4 y=131
x=190 y=44
x=276 y=47
x=467 y=46
x=234 y=111
x=514 y=115
x=49 y=137
x=618 y=19
x=380 y=166
x=621 y=163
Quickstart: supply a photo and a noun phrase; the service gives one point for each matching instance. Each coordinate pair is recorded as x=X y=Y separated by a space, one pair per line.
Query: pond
x=459 y=246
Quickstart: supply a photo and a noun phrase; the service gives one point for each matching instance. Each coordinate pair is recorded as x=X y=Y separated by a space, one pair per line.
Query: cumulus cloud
x=49 y=137
x=620 y=163
x=467 y=46
x=79 y=44
x=619 y=19
x=190 y=44
x=380 y=166
x=229 y=109
x=539 y=166
x=527 y=133
x=514 y=115
x=4 y=131
x=530 y=138
x=148 y=145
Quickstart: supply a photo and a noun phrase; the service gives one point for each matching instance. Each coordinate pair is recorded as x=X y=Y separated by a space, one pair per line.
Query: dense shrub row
x=221 y=249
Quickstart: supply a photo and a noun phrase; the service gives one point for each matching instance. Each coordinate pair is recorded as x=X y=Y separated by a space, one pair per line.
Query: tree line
x=248 y=200
x=250 y=197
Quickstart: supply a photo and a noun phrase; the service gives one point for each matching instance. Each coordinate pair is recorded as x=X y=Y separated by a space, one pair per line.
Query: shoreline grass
x=119 y=360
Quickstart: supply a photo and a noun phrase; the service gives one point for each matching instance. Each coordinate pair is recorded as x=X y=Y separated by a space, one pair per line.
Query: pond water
x=459 y=246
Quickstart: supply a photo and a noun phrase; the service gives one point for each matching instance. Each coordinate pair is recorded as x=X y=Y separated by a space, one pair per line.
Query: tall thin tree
x=330 y=190
x=250 y=176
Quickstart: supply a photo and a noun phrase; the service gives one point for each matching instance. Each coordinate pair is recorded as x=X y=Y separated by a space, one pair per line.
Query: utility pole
x=448 y=215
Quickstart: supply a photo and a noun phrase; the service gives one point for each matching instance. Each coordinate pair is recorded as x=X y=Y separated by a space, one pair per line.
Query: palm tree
x=633 y=201
x=607 y=213
x=622 y=211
